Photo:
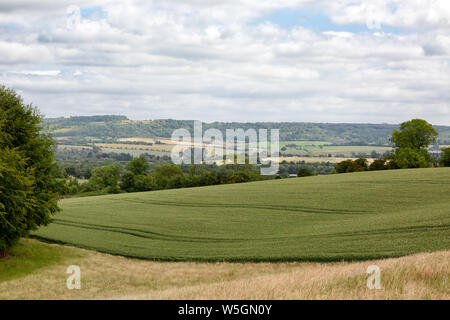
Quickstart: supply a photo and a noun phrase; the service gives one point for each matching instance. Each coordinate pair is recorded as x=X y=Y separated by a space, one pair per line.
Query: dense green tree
x=303 y=172
x=137 y=183
x=138 y=166
x=165 y=173
x=241 y=176
x=344 y=166
x=136 y=178
x=349 y=165
x=177 y=181
x=168 y=170
x=28 y=172
x=127 y=182
x=445 y=157
x=411 y=144
x=211 y=178
x=360 y=164
x=105 y=178
x=378 y=164
x=16 y=201
x=71 y=171
x=403 y=158
x=68 y=186
x=414 y=134
x=144 y=182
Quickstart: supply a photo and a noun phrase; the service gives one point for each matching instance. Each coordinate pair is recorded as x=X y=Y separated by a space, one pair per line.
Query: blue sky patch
x=93 y=13
x=317 y=21
x=9 y=27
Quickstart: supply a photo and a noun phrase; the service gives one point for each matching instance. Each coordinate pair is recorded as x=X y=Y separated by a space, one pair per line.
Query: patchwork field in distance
x=319 y=159
x=355 y=216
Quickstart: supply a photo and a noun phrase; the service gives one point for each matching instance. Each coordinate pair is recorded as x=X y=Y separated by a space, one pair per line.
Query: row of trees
x=411 y=150
x=293 y=167
x=136 y=178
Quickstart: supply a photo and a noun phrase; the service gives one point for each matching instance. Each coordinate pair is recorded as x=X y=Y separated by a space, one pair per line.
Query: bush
x=344 y=166
x=105 y=178
x=144 y=182
x=352 y=166
x=138 y=166
x=378 y=164
x=445 y=157
x=304 y=173
x=68 y=186
x=240 y=176
x=127 y=182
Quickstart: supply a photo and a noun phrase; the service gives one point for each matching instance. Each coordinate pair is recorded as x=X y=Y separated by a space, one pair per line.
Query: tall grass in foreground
x=421 y=276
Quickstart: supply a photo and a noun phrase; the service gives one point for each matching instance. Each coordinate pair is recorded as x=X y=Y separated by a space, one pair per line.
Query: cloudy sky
x=231 y=60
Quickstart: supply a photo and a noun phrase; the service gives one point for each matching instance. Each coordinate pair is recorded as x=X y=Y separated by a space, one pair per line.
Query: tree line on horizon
x=138 y=178
x=111 y=128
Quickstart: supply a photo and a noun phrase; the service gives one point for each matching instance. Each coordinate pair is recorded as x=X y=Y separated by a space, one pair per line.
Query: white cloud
x=209 y=60
x=416 y=14
x=50 y=73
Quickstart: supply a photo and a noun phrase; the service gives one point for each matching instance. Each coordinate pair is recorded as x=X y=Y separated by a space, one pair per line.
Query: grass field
x=304 y=143
x=354 y=216
x=324 y=150
x=136 y=152
x=155 y=147
x=309 y=148
x=149 y=140
x=73 y=147
x=320 y=159
x=37 y=270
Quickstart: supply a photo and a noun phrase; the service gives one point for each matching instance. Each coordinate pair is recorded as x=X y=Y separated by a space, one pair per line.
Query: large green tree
x=415 y=134
x=138 y=166
x=136 y=178
x=28 y=172
x=105 y=178
x=411 y=144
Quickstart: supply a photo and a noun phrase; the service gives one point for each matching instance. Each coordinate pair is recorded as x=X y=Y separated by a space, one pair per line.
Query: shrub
x=304 y=173
x=445 y=157
x=352 y=166
x=378 y=164
x=105 y=178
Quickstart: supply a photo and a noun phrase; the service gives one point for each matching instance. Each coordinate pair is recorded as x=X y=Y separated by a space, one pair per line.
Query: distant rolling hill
x=353 y=216
x=85 y=129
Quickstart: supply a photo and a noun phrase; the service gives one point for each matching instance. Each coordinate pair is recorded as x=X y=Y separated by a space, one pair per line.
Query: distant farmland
x=354 y=216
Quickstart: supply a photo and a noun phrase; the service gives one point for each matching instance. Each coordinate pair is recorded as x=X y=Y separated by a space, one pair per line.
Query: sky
x=368 y=61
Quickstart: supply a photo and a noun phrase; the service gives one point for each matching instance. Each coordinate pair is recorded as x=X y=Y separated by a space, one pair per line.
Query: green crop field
x=353 y=216
x=321 y=148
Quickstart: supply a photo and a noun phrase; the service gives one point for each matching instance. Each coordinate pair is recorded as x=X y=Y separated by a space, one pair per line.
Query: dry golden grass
x=421 y=276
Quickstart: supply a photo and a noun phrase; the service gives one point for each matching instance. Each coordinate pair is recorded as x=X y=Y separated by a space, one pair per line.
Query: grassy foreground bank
x=420 y=276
